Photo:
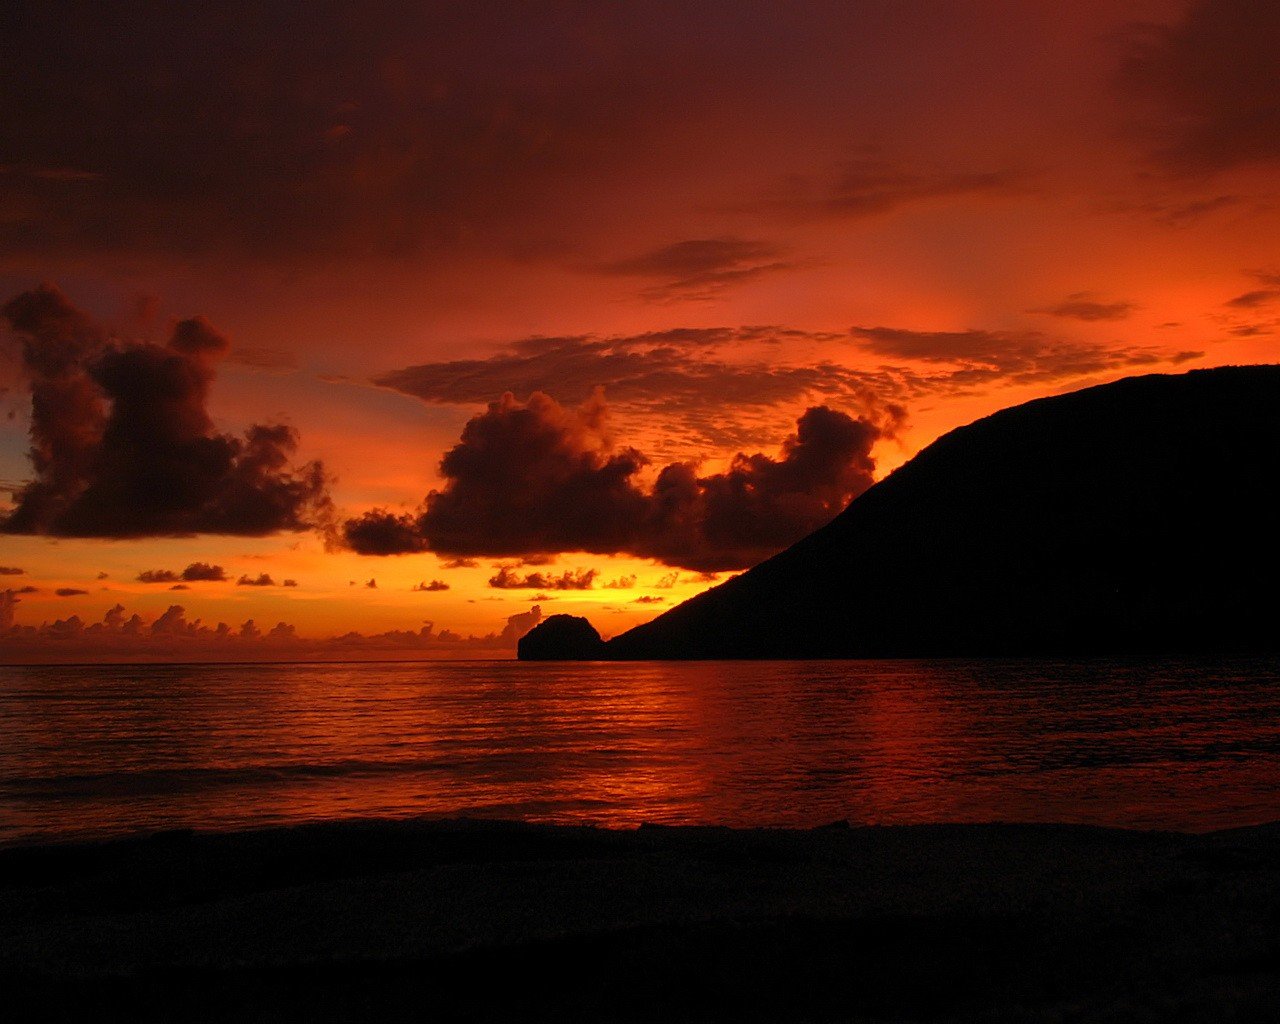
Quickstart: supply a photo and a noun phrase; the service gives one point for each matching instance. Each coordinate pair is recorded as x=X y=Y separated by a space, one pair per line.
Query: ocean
x=110 y=750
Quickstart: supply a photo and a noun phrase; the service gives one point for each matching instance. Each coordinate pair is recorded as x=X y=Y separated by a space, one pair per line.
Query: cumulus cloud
x=507 y=578
x=435 y=586
x=379 y=532
x=122 y=444
x=195 y=572
x=121 y=635
x=699 y=268
x=534 y=478
x=263 y=579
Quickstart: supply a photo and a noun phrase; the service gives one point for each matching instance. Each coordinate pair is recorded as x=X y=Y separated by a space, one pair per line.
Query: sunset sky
x=638 y=293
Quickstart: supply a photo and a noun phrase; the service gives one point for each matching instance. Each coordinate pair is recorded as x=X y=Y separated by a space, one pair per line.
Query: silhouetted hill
x=1134 y=517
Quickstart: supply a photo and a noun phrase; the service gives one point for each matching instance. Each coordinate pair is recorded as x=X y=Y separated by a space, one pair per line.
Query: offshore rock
x=562 y=638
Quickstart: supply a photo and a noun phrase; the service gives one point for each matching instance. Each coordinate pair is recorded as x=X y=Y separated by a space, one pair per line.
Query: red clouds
x=1213 y=75
x=122 y=443
x=535 y=478
x=196 y=571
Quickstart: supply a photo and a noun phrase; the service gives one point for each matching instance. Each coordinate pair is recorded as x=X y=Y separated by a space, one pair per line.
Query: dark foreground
x=484 y=921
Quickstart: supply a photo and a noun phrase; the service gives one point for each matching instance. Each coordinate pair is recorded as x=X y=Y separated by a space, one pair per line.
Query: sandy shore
x=495 y=921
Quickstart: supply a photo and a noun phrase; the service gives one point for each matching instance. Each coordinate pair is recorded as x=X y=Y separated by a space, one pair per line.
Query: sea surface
x=96 y=751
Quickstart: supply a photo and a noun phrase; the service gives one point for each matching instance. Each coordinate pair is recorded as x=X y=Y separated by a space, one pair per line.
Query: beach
x=480 y=920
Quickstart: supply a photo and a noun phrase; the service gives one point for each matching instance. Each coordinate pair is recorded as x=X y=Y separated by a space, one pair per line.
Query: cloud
x=1083 y=306
x=535 y=478
x=379 y=532
x=120 y=635
x=371 y=584
x=507 y=579
x=288 y=583
x=699 y=268
x=1211 y=79
x=419 y=129
x=434 y=586
x=261 y=580
x=196 y=571
x=180 y=586
x=122 y=443
x=1019 y=357
x=1254 y=299
x=10 y=570
x=684 y=378
x=649 y=599
x=866 y=188
x=70 y=592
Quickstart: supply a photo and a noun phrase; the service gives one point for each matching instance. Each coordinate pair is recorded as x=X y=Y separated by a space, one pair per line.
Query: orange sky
x=881 y=207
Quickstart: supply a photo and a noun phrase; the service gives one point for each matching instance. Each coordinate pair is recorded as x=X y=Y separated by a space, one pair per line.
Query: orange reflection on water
x=113 y=749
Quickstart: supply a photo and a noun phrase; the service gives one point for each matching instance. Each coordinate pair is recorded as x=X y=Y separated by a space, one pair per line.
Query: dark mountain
x=1135 y=517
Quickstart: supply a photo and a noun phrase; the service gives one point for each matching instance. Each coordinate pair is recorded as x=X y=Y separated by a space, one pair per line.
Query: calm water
x=91 y=751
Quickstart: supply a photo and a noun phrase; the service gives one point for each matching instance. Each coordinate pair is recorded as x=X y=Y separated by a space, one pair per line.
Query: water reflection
x=1168 y=744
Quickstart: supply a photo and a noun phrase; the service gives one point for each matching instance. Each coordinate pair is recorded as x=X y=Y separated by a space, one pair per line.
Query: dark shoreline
x=482 y=920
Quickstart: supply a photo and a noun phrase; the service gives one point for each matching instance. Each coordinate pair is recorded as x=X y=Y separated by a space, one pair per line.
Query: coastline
x=482 y=920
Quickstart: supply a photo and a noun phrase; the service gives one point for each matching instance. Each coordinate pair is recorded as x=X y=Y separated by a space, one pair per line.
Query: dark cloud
x=1254 y=299
x=414 y=128
x=866 y=188
x=70 y=592
x=1083 y=306
x=649 y=599
x=180 y=586
x=371 y=584
x=1252 y=330
x=507 y=578
x=435 y=586
x=1019 y=357
x=196 y=571
x=27 y=590
x=288 y=583
x=699 y=268
x=621 y=583
x=261 y=580
x=10 y=570
x=535 y=478
x=122 y=443
x=1212 y=78
x=379 y=532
